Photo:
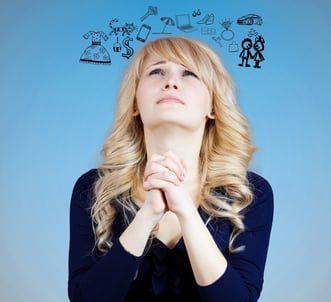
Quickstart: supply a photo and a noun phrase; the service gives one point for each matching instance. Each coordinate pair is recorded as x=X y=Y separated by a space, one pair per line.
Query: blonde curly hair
x=226 y=148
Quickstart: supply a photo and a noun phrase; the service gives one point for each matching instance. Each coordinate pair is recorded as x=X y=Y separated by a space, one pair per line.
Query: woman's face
x=170 y=93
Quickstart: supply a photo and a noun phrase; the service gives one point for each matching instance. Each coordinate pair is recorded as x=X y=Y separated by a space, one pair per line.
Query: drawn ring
x=227 y=34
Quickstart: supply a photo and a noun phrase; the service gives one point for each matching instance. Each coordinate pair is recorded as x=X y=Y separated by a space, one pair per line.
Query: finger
x=164 y=165
x=175 y=164
x=166 y=176
x=150 y=165
x=153 y=167
x=169 y=161
x=156 y=200
x=161 y=180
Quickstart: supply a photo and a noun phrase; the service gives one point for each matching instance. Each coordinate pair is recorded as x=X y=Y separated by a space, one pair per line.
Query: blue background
x=55 y=113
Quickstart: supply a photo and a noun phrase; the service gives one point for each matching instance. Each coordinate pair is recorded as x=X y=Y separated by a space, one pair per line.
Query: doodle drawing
x=218 y=40
x=233 y=47
x=207 y=19
x=152 y=10
x=196 y=13
x=250 y=19
x=183 y=23
x=127 y=29
x=166 y=21
x=227 y=34
x=252 y=33
x=95 y=53
x=117 y=46
x=246 y=54
x=129 y=49
x=258 y=47
x=143 y=32
x=208 y=31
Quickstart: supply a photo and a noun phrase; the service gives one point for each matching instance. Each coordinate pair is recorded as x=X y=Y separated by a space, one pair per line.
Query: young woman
x=172 y=213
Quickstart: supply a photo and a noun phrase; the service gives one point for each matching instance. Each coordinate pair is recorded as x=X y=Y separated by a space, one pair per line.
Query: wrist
x=149 y=218
x=136 y=235
x=190 y=214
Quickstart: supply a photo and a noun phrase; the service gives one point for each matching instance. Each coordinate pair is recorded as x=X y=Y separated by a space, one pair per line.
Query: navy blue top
x=164 y=274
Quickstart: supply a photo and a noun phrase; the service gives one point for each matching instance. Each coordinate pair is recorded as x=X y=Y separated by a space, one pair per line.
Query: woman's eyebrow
x=157 y=63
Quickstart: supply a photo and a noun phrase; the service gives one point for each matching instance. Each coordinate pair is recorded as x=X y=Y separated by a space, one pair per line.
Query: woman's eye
x=190 y=73
x=156 y=71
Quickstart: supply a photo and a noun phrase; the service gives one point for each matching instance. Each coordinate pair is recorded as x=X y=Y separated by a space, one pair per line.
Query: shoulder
x=260 y=187
x=260 y=211
x=84 y=187
x=88 y=178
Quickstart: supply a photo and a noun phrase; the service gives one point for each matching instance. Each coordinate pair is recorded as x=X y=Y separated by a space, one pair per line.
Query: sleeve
x=92 y=276
x=243 y=279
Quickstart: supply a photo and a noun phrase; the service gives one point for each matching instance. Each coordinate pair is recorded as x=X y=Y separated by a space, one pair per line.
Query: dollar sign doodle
x=129 y=49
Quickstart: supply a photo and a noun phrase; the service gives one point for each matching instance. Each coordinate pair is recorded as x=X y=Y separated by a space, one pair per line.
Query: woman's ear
x=211 y=114
x=135 y=110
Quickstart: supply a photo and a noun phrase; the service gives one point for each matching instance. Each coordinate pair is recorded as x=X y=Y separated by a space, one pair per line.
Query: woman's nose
x=171 y=83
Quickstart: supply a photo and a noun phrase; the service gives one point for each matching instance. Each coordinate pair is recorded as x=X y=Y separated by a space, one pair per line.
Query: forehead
x=155 y=60
x=152 y=59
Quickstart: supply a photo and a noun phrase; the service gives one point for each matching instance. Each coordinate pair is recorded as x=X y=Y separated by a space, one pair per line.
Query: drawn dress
x=95 y=53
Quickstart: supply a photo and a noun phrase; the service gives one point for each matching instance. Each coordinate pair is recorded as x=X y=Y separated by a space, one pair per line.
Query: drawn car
x=250 y=19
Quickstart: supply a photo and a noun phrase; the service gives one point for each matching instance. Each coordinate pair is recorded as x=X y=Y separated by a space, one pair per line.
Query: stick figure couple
x=246 y=54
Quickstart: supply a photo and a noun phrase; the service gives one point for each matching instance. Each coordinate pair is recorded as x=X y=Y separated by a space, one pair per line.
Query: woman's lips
x=169 y=99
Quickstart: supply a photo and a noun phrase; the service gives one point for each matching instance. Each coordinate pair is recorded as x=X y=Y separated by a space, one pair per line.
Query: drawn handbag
x=233 y=47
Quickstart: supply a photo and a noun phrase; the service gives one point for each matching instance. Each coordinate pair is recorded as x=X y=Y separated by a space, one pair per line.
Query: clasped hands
x=164 y=183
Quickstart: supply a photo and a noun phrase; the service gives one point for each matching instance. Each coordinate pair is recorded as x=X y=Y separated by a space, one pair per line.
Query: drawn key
x=152 y=10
